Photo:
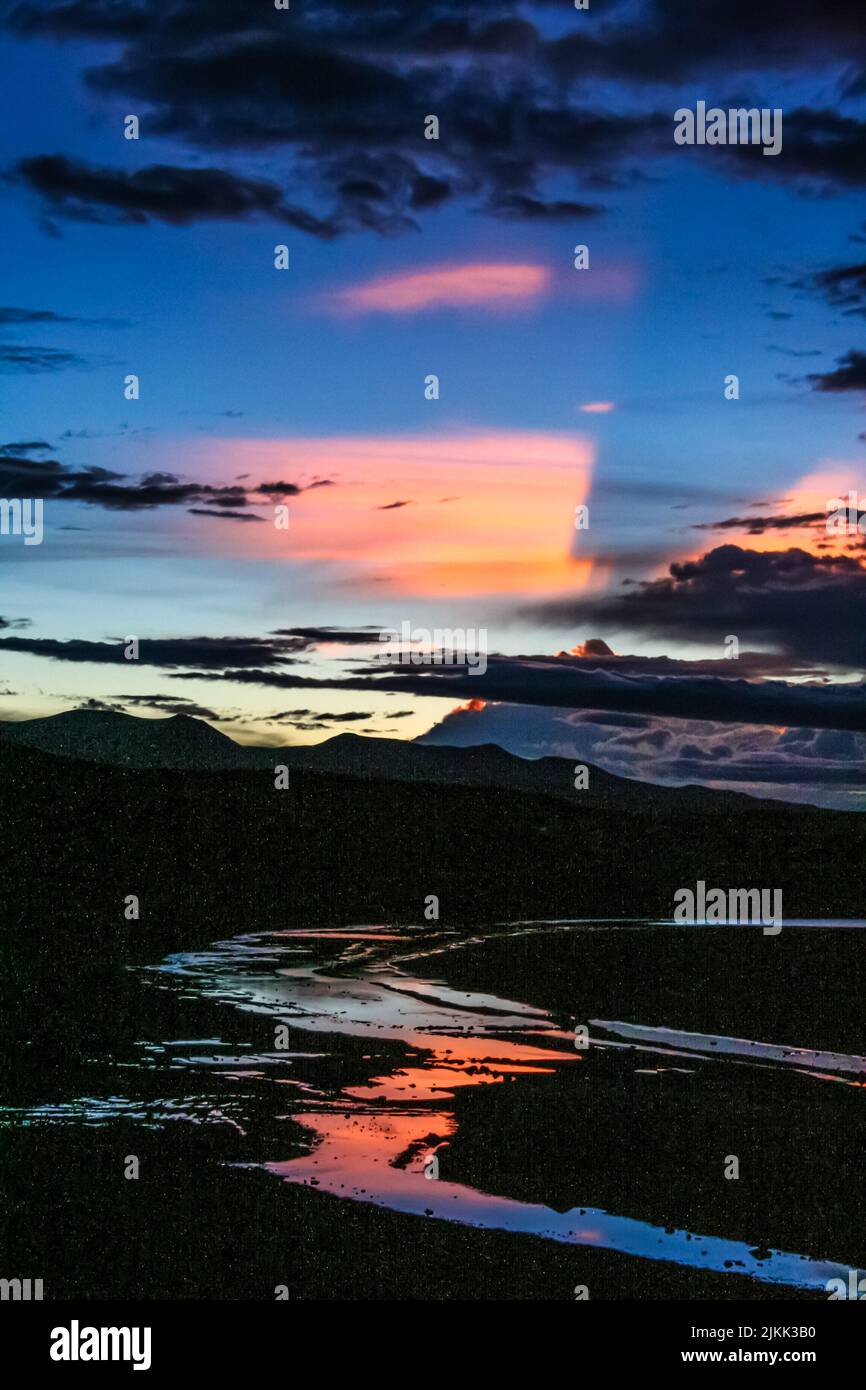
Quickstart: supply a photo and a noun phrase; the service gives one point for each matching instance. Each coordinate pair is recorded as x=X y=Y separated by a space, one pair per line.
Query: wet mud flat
x=309 y=1166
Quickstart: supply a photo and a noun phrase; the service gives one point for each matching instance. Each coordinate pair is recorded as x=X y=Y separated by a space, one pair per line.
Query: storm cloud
x=344 y=91
x=810 y=607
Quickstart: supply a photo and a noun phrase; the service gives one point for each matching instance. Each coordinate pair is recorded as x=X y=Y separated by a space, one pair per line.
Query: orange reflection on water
x=363 y=1153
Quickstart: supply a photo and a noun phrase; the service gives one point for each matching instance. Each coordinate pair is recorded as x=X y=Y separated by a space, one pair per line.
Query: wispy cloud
x=477 y=285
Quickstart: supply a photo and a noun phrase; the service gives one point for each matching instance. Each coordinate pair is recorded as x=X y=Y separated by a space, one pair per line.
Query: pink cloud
x=597 y=407
x=506 y=529
x=478 y=285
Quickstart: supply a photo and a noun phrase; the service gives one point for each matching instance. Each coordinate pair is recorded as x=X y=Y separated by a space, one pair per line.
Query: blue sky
x=556 y=129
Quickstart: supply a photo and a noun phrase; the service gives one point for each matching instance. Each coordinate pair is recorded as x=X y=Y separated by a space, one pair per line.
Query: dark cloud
x=291 y=489
x=757 y=525
x=171 y=704
x=299 y=718
x=392 y=506
x=78 y=19
x=13 y=317
x=200 y=652
x=428 y=192
x=278 y=649
x=22 y=476
x=225 y=515
x=520 y=207
x=153 y=490
x=15 y=357
x=326 y=84
x=279 y=489
x=668 y=40
x=33 y=446
x=820 y=146
x=849 y=374
x=660 y=40
x=805 y=606
x=164 y=704
x=596 y=655
x=550 y=682
x=160 y=192
x=823 y=151
x=844 y=286
x=345 y=90
x=320 y=636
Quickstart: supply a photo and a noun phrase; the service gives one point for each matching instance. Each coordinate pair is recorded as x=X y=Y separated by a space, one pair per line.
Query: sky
x=290 y=482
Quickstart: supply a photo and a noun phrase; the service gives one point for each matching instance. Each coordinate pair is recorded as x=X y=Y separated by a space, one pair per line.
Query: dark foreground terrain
x=301 y=1168
x=206 y=853
x=103 y=1060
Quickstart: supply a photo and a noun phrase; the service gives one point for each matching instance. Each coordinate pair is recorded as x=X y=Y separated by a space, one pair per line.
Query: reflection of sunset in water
x=373 y=1141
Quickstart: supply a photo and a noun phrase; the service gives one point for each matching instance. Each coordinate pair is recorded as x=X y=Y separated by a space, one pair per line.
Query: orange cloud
x=594 y=647
x=507 y=527
x=478 y=285
x=811 y=495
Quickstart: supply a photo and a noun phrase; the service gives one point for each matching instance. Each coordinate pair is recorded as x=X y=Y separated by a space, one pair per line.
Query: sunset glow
x=479 y=513
x=478 y=285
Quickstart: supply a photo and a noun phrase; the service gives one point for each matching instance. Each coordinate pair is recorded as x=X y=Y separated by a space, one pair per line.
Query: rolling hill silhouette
x=214 y=851
x=182 y=742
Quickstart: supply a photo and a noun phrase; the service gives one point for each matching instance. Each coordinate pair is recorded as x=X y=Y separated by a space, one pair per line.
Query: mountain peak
x=130 y=740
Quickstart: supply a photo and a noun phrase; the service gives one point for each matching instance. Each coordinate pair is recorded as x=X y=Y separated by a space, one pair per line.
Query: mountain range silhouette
x=183 y=742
